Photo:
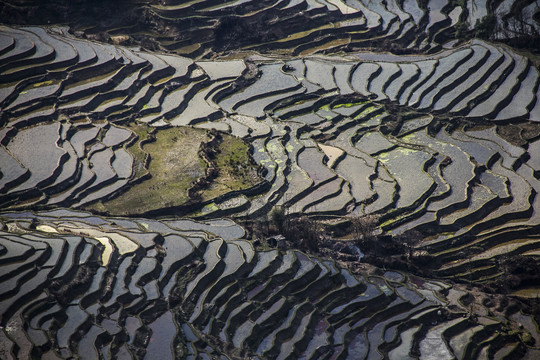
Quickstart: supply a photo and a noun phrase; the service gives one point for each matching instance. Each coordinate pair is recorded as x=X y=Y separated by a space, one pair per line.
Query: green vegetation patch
x=237 y=170
x=348 y=105
x=175 y=165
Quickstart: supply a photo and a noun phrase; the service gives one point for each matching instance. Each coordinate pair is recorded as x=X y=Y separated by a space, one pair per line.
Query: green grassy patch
x=175 y=166
x=348 y=105
x=236 y=169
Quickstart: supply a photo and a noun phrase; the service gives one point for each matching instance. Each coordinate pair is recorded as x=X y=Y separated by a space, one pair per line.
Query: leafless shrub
x=363 y=227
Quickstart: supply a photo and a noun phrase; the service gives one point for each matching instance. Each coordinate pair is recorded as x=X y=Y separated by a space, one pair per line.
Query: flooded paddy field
x=144 y=168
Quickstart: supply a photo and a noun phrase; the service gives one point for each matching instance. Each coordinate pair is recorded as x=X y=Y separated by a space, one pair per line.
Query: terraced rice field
x=441 y=137
x=200 y=28
x=75 y=284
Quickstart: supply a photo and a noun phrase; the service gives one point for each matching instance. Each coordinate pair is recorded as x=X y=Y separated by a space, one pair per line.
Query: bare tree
x=363 y=227
x=410 y=239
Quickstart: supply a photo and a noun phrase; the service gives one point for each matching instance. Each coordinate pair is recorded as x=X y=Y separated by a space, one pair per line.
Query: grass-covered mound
x=178 y=158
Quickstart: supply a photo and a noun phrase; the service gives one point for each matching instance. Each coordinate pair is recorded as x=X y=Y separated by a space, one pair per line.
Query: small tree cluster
x=485 y=27
x=305 y=232
x=363 y=228
x=278 y=218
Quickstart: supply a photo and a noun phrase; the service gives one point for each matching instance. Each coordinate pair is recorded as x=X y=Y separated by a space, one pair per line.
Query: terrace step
x=30 y=52
x=328 y=190
x=358 y=173
x=270 y=344
x=100 y=162
x=48 y=168
x=65 y=54
x=362 y=75
x=481 y=153
x=458 y=174
x=472 y=83
x=272 y=81
x=504 y=92
x=341 y=78
x=409 y=195
x=460 y=72
x=426 y=70
x=202 y=110
x=407 y=74
x=521 y=198
x=12 y=171
x=433 y=342
x=445 y=67
x=276 y=167
x=298 y=341
x=289 y=265
x=212 y=257
x=21 y=48
x=386 y=195
x=234 y=263
x=29 y=96
x=523 y=98
x=320 y=73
